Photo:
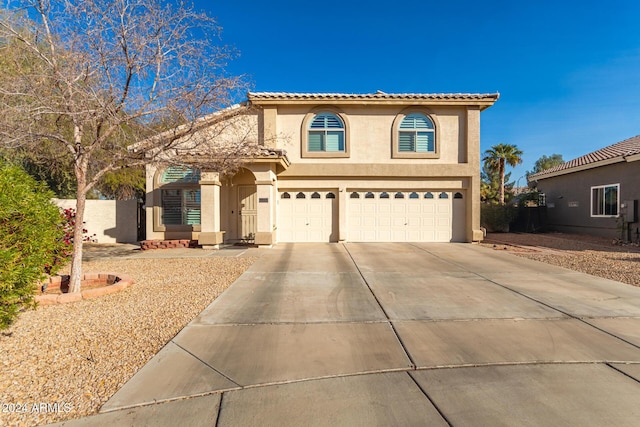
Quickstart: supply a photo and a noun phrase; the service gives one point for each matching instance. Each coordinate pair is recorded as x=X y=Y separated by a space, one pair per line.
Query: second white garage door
x=396 y=216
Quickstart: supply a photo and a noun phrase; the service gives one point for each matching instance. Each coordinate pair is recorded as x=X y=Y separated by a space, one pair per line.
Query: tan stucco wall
x=112 y=221
x=370 y=133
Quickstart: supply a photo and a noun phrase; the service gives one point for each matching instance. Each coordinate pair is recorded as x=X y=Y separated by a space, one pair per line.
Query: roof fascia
x=580 y=168
x=483 y=103
x=632 y=158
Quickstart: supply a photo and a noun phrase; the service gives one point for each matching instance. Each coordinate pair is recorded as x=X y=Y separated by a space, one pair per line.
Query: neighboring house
x=335 y=167
x=596 y=193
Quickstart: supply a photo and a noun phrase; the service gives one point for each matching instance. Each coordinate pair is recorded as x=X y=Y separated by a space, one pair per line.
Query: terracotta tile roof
x=379 y=95
x=628 y=147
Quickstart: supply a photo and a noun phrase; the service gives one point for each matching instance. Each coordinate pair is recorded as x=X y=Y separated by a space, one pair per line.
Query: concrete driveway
x=397 y=334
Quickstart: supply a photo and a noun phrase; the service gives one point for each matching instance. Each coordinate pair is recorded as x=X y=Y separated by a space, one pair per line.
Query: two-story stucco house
x=336 y=167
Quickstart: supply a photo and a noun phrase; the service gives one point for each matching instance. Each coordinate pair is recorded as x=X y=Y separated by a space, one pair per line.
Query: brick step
x=167 y=244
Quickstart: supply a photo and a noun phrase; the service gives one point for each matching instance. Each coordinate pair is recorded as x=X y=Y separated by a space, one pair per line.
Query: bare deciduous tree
x=90 y=77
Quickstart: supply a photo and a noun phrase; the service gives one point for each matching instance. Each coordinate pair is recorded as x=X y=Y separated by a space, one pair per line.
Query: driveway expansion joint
x=402 y=344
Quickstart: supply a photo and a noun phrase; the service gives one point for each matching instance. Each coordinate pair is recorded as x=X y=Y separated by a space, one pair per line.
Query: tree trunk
x=501 y=170
x=76 y=257
x=80 y=167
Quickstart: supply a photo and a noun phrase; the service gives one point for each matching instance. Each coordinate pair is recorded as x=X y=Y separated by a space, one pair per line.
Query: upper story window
x=325 y=134
x=605 y=200
x=415 y=136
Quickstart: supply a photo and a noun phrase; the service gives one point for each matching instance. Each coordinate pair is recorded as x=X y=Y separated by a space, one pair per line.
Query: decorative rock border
x=168 y=244
x=112 y=283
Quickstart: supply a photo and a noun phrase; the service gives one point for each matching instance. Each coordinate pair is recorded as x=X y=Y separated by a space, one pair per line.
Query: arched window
x=457 y=196
x=428 y=195
x=180 y=196
x=399 y=195
x=354 y=195
x=326 y=133
x=315 y=195
x=443 y=195
x=300 y=196
x=369 y=195
x=330 y=196
x=285 y=195
x=416 y=134
x=384 y=195
x=414 y=195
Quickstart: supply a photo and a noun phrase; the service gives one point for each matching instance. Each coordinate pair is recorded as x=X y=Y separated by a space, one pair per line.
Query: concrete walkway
x=394 y=335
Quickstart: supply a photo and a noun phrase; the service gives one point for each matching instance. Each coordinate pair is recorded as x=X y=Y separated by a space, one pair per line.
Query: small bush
x=496 y=218
x=31 y=240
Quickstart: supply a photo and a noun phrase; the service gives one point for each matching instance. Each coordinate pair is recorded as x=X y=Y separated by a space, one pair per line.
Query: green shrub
x=496 y=218
x=31 y=240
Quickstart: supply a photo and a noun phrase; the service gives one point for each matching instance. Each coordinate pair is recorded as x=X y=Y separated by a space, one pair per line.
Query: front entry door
x=248 y=210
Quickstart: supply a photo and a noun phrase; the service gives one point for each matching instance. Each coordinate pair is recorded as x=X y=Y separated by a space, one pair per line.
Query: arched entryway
x=243 y=203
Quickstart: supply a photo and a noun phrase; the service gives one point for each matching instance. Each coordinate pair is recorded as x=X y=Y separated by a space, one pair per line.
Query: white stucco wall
x=112 y=221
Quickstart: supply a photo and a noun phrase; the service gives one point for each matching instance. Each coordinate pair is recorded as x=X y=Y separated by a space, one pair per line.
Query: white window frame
x=602 y=208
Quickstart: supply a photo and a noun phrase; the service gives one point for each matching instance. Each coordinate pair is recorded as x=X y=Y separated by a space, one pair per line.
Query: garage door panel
x=414 y=222
x=399 y=208
x=414 y=208
x=384 y=221
x=368 y=221
x=398 y=221
x=429 y=208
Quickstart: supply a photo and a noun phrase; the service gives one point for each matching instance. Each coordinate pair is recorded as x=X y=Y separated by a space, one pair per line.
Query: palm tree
x=497 y=157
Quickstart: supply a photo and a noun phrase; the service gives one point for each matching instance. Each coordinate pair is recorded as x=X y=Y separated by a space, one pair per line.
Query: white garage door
x=307 y=216
x=397 y=216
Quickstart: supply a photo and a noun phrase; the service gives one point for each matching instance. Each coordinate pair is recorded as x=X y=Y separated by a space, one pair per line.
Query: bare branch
x=96 y=76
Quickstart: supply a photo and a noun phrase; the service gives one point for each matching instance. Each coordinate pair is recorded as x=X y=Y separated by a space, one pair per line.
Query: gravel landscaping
x=73 y=357
x=597 y=256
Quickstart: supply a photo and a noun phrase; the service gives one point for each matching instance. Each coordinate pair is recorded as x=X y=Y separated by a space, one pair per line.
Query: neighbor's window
x=605 y=200
x=416 y=134
x=180 y=195
x=326 y=134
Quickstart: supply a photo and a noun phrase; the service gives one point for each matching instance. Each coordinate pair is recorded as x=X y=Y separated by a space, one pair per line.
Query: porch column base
x=211 y=240
x=264 y=238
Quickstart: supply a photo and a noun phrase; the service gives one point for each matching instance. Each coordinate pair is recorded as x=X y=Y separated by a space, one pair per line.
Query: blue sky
x=568 y=72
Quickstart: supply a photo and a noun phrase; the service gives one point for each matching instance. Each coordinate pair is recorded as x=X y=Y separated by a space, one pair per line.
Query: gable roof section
x=190 y=128
x=270 y=98
x=624 y=151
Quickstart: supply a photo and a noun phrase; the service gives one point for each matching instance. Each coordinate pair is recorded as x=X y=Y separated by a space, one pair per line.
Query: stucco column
x=150 y=202
x=210 y=235
x=342 y=214
x=473 y=158
x=265 y=210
